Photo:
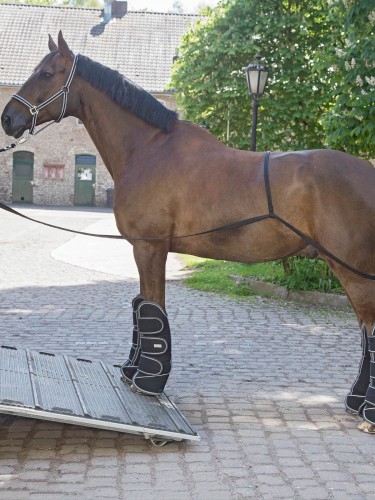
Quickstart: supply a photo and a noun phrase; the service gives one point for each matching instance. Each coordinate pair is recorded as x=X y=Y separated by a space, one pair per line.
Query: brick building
x=61 y=166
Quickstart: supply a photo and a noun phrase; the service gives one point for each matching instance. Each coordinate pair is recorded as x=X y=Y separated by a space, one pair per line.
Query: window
x=53 y=170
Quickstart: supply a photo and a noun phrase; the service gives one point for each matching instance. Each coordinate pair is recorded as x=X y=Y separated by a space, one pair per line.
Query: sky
x=190 y=6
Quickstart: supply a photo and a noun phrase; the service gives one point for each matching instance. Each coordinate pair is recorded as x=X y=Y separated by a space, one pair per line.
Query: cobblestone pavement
x=262 y=381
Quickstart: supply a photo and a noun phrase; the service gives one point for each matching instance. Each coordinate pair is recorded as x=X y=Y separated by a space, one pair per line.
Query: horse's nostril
x=6 y=120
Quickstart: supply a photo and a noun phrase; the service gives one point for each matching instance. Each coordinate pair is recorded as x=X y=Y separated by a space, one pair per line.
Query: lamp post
x=256 y=77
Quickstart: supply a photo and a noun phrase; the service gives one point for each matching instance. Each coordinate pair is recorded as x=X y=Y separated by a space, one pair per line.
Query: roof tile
x=140 y=45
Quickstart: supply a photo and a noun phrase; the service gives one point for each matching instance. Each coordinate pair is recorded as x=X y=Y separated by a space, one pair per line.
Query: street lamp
x=256 y=77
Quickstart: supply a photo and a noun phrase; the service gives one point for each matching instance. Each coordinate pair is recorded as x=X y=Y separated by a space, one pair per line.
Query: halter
x=34 y=109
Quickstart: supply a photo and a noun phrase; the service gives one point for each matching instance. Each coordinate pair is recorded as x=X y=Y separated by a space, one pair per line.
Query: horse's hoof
x=367 y=427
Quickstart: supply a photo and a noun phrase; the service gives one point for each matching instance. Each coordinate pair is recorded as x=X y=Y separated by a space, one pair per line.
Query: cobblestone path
x=262 y=381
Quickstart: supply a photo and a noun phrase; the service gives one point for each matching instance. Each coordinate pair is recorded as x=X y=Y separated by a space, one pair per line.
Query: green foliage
x=312 y=99
x=214 y=276
x=350 y=123
x=302 y=274
x=210 y=82
x=83 y=4
x=309 y=274
x=30 y=2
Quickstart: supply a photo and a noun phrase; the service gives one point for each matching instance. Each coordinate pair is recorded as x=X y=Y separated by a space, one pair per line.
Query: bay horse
x=178 y=189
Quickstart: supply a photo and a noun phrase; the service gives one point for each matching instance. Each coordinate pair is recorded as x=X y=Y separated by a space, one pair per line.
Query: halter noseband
x=34 y=109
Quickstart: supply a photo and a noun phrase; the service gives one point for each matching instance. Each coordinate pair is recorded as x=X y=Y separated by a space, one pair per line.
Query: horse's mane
x=126 y=93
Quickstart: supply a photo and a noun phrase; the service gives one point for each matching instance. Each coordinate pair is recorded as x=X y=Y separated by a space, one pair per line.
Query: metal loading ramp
x=80 y=391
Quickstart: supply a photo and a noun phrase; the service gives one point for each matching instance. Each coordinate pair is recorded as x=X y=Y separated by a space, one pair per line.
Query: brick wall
x=57 y=145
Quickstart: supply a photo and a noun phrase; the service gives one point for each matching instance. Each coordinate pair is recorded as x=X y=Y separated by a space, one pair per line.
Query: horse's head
x=44 y=96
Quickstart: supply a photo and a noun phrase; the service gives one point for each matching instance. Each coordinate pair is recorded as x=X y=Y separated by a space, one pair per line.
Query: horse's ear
x=51 y=44
x=63 y=46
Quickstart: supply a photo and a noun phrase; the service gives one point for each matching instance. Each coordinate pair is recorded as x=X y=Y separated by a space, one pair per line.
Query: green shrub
x=301 y=273
x=296 y=273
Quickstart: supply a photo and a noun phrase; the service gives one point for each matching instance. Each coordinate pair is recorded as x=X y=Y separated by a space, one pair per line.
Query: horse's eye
x=46 y=75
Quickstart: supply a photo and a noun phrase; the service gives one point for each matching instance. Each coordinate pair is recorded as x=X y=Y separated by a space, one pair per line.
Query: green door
x=23 y=174
x=84 y=186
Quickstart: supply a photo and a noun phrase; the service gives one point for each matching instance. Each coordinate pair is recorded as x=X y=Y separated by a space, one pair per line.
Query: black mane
x=126 y=93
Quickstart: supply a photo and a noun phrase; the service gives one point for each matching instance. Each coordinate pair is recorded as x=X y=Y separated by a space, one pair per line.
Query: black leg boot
x=129 y=368
x=356 y=397
x=155 y=361
x=368 y=409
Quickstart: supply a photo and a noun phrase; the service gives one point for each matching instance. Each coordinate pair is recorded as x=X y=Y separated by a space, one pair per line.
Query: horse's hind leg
x=149 y=363
x=361 y=398
x=368 y=408
x=356 y=397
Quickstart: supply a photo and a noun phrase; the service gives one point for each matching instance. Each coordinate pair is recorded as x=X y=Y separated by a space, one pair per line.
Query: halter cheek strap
x=64 y=91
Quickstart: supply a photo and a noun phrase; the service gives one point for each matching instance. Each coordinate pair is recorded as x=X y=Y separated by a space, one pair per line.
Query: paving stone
x=314 y=493
x=273 y=425
x=277 y=491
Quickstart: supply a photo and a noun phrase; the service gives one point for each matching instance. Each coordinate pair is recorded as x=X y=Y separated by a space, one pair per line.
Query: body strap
x=234 y=225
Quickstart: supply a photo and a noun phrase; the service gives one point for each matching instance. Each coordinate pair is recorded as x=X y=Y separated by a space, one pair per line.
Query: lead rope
x=14 y=144
x=235 y=225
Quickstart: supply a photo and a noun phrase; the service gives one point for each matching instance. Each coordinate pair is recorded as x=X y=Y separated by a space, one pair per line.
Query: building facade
x=61 y=166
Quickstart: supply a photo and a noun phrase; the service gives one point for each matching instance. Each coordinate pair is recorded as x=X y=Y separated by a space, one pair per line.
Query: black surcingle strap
x=305 y=237
x=267 y=185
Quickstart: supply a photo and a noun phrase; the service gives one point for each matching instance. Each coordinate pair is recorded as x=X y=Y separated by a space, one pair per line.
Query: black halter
x=34 y=109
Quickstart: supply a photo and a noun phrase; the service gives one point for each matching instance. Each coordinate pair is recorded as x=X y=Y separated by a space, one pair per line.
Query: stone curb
x=281 y=292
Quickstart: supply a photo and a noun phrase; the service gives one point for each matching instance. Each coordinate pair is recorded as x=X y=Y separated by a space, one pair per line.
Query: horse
x=178 y=189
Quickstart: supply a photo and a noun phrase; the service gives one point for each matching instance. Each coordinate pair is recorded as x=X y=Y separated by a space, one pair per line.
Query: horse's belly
x=262 y=241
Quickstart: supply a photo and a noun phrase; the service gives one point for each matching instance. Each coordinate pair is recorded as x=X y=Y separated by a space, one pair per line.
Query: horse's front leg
x=151 y=259
x=149 y=362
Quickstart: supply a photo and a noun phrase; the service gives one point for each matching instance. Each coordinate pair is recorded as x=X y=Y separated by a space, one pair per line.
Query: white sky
x=190 y=6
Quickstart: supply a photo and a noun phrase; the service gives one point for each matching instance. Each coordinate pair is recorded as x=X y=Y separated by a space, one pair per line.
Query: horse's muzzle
x=13 y=124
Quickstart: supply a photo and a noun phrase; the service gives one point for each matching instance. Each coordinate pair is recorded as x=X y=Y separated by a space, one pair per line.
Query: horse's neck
x=115 y=132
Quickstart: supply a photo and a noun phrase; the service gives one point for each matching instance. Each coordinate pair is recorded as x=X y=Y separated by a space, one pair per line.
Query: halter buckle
x=34 y=110
x=65 y=89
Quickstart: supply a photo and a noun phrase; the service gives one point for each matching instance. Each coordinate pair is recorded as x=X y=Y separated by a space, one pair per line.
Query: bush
x=301 y=273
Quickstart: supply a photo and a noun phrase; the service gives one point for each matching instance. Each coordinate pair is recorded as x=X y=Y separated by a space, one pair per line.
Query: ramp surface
x=84 y=392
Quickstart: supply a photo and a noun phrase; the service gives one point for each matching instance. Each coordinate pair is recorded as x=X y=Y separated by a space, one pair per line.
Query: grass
x=214 y=275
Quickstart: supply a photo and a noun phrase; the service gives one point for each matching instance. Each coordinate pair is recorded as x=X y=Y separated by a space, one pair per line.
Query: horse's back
x=326 y=173
x=330 y=196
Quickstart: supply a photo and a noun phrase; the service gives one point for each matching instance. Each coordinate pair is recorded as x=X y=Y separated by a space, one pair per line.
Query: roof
x=140 y=45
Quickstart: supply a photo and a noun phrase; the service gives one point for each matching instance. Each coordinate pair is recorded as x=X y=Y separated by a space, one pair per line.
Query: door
x=23 y=174
x=84 y=186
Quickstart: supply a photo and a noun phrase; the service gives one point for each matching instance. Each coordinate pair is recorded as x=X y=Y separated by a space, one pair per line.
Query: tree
x=82 y=4
x=350 y=122
x=210 y=82
x=177 y=7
